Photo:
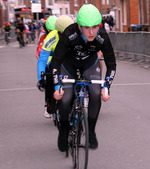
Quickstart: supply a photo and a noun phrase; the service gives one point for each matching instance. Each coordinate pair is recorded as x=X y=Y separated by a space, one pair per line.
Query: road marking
x=2 y=46
x=131 y=84
x=31 y=44
x=35 y=88
x=17 y=45
x=17 y=89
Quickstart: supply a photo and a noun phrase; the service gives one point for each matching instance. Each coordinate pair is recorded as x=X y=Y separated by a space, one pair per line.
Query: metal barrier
x=133 y=46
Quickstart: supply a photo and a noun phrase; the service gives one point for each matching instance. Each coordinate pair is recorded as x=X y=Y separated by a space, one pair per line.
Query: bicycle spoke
x=80 y=155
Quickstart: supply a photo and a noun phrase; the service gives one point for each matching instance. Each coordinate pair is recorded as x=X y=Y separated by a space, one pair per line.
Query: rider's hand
x=58 y=95
x=105 y=90
x=41 y=85
x=104 y=96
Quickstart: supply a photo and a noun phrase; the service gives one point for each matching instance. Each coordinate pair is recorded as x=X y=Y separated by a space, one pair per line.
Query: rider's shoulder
x=52 y=33
x=102 y=31
x=72 y=32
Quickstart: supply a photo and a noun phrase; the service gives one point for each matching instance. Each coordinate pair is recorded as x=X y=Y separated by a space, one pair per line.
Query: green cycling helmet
x=50 y=23
x=89 y=15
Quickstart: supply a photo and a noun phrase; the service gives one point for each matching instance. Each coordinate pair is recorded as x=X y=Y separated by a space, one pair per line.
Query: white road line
x=17 y=89
x=17 y=45
x=131 y=84
x=35 y=88
x=2 y=46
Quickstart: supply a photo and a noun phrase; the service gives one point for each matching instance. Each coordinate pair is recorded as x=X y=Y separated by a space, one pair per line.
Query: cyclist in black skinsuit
x=77 y=49
x=20 y=28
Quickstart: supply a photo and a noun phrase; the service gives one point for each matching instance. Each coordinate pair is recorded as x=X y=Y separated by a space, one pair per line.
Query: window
x=61 y=11
x=108 y=10
x=20 y=2
x=124 y=12
x=103 y=11
x=66 y=9
x=107 y=2
x=103 y=2
x=117 y=19
x=50 y=2
x=11 y=9
x=75 y=2
x=145 y=7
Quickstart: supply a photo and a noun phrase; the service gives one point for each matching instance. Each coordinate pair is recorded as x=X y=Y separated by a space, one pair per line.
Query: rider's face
x=89 y=32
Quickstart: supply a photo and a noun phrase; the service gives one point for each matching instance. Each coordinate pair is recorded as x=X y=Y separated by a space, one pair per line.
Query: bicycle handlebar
x=83 y=81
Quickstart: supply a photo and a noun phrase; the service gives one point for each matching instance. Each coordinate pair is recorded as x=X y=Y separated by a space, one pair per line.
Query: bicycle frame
x=78 y=120
x=7 y=37
x=77 y=116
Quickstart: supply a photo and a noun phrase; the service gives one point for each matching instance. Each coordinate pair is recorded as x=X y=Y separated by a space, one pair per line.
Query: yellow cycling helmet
x=63 y=22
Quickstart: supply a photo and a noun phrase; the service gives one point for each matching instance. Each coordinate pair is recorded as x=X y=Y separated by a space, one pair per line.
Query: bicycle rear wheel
x=81 y=150
x=6 y=38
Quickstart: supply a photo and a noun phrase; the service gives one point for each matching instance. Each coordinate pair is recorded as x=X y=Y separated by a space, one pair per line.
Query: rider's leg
x=47 y=97
x=93 y=73
x=63 y=136
x=49 y=90
x=65 y=106
x=23 y=42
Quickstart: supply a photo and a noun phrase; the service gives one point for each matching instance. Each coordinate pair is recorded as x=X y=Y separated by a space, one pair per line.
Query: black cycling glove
x=41 y=85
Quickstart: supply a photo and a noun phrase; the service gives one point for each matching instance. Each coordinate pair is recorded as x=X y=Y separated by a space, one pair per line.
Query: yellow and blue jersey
x=47 y=51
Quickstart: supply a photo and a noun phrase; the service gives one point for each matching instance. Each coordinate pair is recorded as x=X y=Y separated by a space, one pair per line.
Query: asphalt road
x=29 y=141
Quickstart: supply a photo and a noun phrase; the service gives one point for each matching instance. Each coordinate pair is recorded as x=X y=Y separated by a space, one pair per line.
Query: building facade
x=125 y=12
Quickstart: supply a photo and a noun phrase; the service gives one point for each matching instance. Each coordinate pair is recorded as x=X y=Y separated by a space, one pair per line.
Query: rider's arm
x=110 y=62
x=109 y=58
x=48 y=48
x=59 y=55
x=43 y=57
x=100 y=56
x=40 y=44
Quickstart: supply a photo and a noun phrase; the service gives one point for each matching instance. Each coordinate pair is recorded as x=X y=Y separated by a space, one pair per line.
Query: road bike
x=78 y=138
x=7 y=37
x=56 y=116
x=20 y=39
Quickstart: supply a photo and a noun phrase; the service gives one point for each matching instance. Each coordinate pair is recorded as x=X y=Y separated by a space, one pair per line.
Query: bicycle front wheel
x=83 y=142
x=6 y=38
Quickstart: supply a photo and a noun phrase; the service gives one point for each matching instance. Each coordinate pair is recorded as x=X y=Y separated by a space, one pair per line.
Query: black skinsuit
x=73 y=52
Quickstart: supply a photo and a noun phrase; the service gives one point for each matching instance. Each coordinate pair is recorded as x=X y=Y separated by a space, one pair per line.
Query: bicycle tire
x=6 y=39
x=56 y=117
x=20 y=39
x=81 y=150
